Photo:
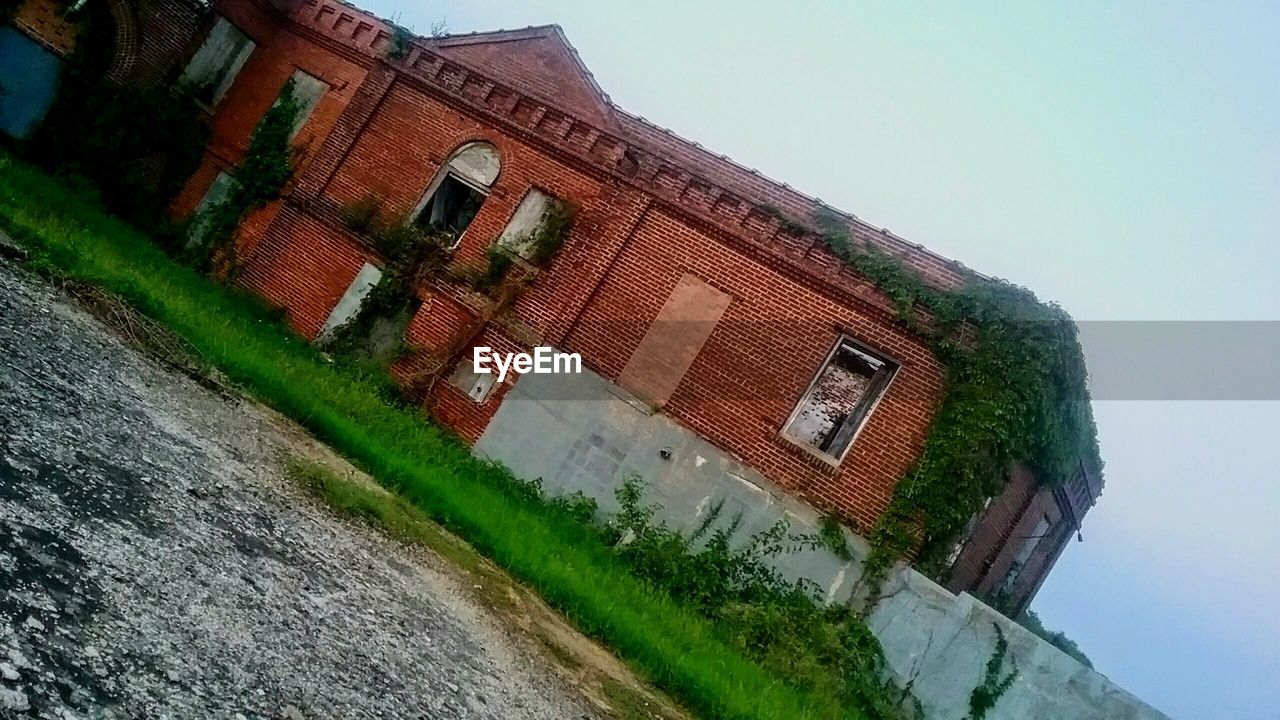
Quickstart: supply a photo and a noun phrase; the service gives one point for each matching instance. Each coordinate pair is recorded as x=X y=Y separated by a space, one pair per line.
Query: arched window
x=455 y=196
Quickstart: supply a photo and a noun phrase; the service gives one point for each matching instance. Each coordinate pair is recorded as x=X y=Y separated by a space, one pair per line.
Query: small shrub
x=401 y=42
x=1031 y=621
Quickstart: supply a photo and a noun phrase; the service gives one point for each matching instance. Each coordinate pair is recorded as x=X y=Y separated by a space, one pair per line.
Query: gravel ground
x=155 y=562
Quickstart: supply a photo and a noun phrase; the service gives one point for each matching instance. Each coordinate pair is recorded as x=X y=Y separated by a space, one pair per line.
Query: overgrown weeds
x=782 y=624
x=680 y=646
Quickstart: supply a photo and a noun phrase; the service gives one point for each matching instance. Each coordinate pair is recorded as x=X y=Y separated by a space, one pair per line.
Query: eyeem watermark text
x=543 y=360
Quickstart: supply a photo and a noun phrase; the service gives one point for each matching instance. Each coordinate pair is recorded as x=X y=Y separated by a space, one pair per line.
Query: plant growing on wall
x=538 y=247
x=361 y=216
x=401 y=42
x=551 y=233
x=410 y=253
x=258 y=179
x=498 y=264
x=832 y=537
x=994 y=681
x=1015 y=392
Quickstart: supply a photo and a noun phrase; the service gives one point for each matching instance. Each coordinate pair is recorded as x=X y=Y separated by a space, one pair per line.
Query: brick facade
x=987 y=559
x=652 y=211
x=150 y=37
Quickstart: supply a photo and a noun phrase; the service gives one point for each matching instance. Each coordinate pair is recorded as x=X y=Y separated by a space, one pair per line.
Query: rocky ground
x=155 y=562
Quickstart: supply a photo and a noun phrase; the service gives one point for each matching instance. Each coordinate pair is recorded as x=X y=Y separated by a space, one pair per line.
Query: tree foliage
x=1016 y=391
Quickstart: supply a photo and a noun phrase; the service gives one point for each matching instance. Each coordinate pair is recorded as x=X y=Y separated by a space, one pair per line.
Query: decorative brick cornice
x=751 y=225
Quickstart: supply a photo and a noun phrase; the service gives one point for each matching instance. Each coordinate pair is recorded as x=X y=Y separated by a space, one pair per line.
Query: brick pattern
x=681 y=174
x=990 y=551
x=545 y=65
x=673 y=340
x=151 y=36
x=43 y=21
x=165 y=32
x=758 y=361
x=651 y=209
x=304 y=266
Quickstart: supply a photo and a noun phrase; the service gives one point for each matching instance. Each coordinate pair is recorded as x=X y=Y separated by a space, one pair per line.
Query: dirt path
x=156 y=562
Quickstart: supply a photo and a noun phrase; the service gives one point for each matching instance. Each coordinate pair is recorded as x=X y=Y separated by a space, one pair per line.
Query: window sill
x=802 y=450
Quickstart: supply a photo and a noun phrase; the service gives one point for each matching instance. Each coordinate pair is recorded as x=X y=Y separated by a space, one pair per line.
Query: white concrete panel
x=349 y=304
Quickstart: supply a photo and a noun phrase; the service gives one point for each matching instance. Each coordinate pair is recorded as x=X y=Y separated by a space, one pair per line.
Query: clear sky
x=1122 y=159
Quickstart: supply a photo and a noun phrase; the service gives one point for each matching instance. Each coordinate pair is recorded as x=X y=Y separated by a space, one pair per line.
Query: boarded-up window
x=307 y=90
x=839 y=399
x=476 y=385
x=519 y=234
x=669 y=347
x=349 y=304
x=218 y=191
x=216 y=64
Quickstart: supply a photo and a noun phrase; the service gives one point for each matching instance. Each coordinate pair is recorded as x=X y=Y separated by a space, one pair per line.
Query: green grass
x=66 y=232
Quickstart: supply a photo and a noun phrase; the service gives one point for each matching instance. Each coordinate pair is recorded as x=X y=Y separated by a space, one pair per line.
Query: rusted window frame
x=853 y=424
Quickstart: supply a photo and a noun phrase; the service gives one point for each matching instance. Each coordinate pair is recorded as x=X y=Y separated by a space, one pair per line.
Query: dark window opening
x=451 y=207
x=839 y=400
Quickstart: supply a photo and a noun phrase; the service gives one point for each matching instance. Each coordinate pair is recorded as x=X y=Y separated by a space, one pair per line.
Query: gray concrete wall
x=582 y=433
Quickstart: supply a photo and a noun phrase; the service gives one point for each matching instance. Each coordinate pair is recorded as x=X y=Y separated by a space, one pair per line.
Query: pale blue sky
x=1120 y=158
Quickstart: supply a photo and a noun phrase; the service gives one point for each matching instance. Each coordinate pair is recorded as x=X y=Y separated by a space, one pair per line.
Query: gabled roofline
x=613 y=145
x=529 y=31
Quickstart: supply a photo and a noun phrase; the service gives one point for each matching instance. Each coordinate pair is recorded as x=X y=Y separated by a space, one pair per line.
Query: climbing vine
x=552 y=231
x=831 y=537
x=539 y=246
x=409 y=253
x=256 y=181
x=1015 y=392
x=994 y=682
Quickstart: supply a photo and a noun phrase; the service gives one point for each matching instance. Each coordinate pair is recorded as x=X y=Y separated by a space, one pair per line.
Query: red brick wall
x=989 y=552
x=415 y=134
x=166 y=30
x=304 y=265
x=277 y=55
x=541 y=64
x=42 y=20
x=152 y=36
x=767 y=347
x=622 y=260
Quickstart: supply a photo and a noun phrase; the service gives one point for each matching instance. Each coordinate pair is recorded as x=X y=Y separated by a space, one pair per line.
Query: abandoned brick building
x=682 y=284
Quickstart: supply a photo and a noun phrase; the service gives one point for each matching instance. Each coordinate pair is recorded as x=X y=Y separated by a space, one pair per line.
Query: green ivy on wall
x=259 y=178
x=1016 y=391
